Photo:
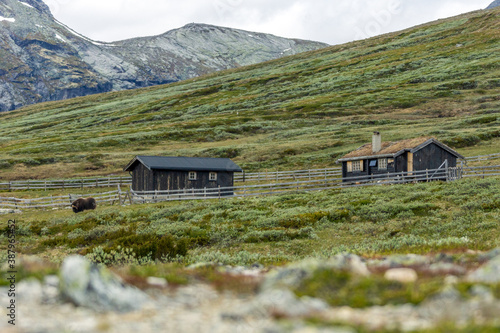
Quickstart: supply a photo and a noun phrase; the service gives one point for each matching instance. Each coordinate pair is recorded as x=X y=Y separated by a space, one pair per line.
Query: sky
x=328 y=21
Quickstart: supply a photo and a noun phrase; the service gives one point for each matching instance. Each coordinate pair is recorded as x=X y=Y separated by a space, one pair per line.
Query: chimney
x=376 y=142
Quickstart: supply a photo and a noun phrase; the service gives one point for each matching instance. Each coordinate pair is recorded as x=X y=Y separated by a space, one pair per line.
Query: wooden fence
x=276 y=176
x=58 y=201
x=252 y=177
x=444 y=174
x=297 y=185
x=111 y=181
x=482 y=157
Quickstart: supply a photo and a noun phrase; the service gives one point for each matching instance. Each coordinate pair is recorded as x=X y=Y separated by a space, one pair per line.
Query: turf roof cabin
x=379 y=157
x=161 y=173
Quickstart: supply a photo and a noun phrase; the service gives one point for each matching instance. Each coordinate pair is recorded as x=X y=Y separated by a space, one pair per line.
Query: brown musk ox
x=81 y=204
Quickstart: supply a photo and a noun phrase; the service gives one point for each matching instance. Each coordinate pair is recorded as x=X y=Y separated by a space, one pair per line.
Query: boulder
x=93 y=286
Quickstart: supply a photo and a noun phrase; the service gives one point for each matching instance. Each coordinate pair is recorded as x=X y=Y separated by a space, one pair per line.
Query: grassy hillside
x=416 y=218
x=439 y=79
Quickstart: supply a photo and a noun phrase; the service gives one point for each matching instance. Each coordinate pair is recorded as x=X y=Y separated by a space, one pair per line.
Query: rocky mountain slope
x=41 y=59
x=494 y=4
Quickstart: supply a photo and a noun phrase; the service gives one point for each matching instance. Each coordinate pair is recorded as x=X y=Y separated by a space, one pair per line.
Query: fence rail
x=111 y=181
x=255 y=177
x=327 y=183
x=482 y=157
x=277 y=176
x=57 y=201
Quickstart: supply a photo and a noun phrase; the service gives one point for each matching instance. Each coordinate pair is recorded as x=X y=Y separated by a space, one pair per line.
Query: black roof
x=184 y=163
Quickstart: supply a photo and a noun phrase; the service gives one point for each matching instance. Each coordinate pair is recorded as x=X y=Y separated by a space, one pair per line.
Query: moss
x=341 y=288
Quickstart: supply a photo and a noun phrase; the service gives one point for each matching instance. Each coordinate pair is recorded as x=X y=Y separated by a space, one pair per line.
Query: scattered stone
x=88 y=285
x=157 y=282
x=397 y=261
x=488 y=273
x=9 y=211
x=30 y=290
x=490 y=255
x=292 y=275
x=403 y=275
x=443 y=268
x=281 y=303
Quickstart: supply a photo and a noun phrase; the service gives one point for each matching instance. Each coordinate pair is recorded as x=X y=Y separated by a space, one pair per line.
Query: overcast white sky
x=329 y=21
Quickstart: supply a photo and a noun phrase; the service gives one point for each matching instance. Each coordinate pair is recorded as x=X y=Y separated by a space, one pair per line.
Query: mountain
x=41 y=59
x=494 y=4
x=439 y=79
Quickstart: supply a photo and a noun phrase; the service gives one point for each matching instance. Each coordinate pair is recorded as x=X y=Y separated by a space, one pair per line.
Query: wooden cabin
x=161 y=173
x=423 y=153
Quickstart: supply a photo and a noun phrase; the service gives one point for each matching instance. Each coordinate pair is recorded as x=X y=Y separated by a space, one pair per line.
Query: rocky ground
x=88 y=298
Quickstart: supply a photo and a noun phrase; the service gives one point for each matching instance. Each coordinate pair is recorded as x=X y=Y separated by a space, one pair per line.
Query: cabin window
x=373 y=163
x=357 y=166
x=212 y=176
x=390 y=163
x=382 y=163
x=192 y=175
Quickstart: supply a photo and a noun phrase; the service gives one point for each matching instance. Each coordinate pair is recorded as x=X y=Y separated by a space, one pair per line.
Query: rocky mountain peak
x=15 y=9
x=494 y=4
x=44 y=60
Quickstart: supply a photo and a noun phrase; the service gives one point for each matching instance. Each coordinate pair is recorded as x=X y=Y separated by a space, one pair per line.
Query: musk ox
x=81 y=204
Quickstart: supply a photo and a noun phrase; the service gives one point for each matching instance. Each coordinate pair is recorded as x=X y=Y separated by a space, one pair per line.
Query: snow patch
x=82 y=36
x=7 y=19
x=250 y=36
x=287 y=50
x=26 y=4
x=60 y=38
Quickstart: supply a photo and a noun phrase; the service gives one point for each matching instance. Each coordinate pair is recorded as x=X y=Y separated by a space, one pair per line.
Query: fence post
x=119 y=195
x=205 y=192
x=427 y=175
x=219 y=191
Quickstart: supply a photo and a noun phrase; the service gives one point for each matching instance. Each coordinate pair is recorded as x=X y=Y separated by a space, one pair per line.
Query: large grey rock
x=92 y=286
x=488 y=273
x=293 y=274
x=278 y=302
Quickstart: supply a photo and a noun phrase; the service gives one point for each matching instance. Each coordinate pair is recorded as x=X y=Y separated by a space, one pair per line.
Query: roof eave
x=364 y=157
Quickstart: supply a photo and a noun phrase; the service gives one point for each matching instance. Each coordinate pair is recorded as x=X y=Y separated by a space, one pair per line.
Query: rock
x=293 y=274
x=444 y=268
x=396 y=261
x=490 y=255
x=95 y=287
x=9 y=211
x=30 y=290
x=50 y=289
x=279 y=302
x=157 y=282
x=488 y=273
x=403 y=275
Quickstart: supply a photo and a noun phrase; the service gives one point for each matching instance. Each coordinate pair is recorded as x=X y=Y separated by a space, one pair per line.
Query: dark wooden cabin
x=423 y=153
x=161 y=173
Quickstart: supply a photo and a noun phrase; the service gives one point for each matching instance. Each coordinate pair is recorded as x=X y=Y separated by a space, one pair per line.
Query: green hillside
x=440 y=79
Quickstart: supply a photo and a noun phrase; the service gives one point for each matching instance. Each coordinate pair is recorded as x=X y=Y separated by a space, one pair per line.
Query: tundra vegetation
x=438 y=79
